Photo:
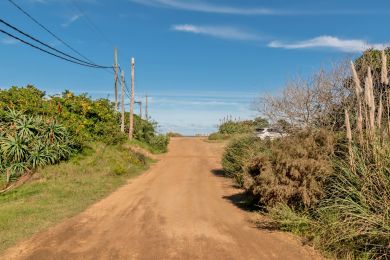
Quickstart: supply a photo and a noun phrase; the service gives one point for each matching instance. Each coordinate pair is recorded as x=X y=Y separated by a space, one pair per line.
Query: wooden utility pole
x=116 y=78
x=140 y=107
x=131 y=127
x=146 y=107
x=122 y=102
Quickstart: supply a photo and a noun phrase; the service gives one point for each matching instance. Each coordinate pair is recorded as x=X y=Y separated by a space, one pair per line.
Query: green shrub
x=238 y=154
x=87 y=120
x=218 y=136
x=118 y=169
x=159 y=143
x=293 y=171
x=173 y=134
x=28 y=99
x=236 y=127
x=32 y=133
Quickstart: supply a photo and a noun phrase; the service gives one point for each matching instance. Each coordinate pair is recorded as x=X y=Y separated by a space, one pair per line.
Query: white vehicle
x=271 y=133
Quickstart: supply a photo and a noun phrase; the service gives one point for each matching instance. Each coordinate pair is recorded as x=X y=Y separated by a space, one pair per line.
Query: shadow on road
x=219 y=173
x=239 y=199
x=242 y=201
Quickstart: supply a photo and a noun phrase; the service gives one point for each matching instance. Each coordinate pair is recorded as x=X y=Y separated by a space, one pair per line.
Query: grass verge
x=61 y=191
x=146 y=146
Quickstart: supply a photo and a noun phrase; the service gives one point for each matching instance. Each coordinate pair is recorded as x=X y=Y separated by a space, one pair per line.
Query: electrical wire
x=48 y=46
x=90 y=22
x=47 y=30
x=77 y=61
x=43 y=50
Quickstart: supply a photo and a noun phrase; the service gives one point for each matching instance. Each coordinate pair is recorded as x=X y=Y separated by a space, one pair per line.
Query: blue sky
x=197 y=60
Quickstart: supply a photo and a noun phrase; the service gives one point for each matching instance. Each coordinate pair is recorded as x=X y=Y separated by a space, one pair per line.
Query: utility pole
x=123 y=101
x=116 y=78
x=140 y=107
x=146 y=107
x=131 y=127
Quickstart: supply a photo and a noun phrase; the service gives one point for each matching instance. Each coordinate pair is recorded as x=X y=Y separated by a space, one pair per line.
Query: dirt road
x=180 y=209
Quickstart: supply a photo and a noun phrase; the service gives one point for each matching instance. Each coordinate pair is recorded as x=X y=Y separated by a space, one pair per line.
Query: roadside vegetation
x=37 y=130
x=60 y=191
x=229 y=128
x=173 y=134
x=59 y=154
x=329 y=179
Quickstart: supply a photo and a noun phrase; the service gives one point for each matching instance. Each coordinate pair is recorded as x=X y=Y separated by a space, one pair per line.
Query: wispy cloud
x=330 y=42
x=196 y=115
x=208 y=7
x=222 y=32
x=71 y=20
x=8 y=41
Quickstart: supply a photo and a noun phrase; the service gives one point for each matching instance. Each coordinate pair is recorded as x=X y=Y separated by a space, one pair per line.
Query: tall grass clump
x=354 y=219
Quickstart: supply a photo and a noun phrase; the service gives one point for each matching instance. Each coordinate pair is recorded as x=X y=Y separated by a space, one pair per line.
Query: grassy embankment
x=61 y=191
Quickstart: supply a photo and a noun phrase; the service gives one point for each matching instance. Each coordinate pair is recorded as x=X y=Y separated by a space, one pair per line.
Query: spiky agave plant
x=41 y=156
x=29 y=142
x=27 y=127
x=14 y=148
x=53 y=132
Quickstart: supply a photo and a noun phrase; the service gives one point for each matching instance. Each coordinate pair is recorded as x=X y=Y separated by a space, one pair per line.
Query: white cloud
x=208 y=8
x=72 y=19
x=330 y=42
x=223 y=32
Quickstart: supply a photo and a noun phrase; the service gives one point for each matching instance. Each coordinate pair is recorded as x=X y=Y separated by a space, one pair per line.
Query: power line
x=90 y=22
x=47 y=30
x=127 y=91
x=43 y=50
x=48 y=46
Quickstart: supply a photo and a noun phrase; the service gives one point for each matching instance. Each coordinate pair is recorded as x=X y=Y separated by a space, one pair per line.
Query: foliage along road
x=180 y=209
